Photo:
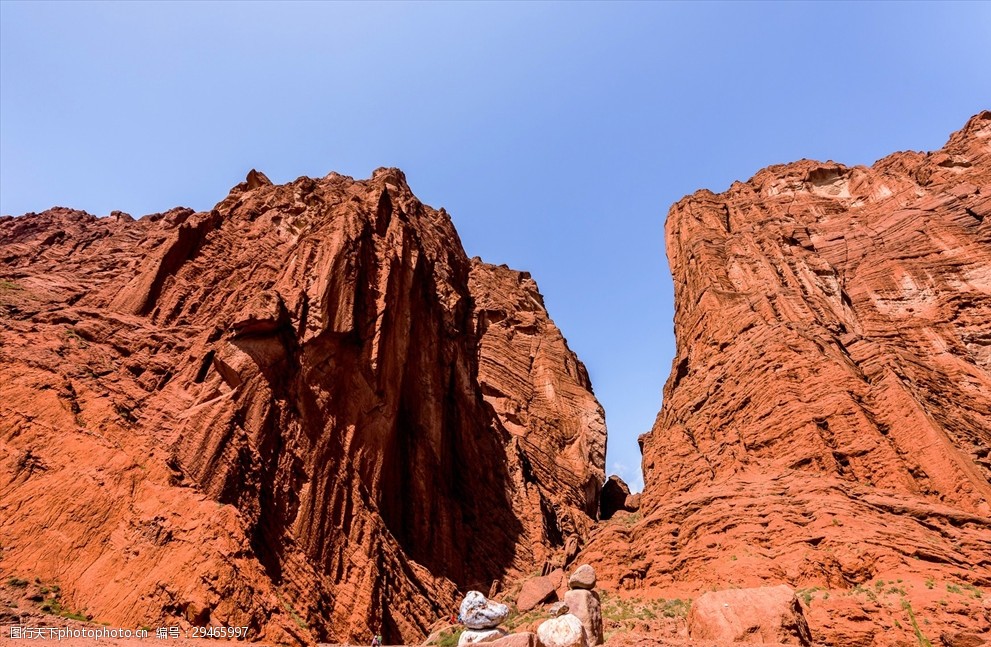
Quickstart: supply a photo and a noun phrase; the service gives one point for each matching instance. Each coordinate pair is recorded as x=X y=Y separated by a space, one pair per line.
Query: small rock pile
x=576 y=620
x=581 y=624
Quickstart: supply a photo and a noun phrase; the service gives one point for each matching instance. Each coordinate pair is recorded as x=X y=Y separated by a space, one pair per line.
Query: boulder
x=582 y=578
x=760 y=615
x=479 y=613
x=585 y=605
x=565 y=631
x=473 y=636
x=524 y=639
x=538 y=590
x=558 y=609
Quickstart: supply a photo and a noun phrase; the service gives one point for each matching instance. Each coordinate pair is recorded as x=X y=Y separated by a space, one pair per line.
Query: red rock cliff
x=827 y=419
x=280 y=413
x=542 y=395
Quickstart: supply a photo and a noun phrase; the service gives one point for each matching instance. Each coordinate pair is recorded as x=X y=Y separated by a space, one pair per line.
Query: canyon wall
x=827 y=420
x=306 y=411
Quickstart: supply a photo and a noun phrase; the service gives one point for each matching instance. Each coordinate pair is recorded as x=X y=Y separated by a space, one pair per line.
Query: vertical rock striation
x=275 y=413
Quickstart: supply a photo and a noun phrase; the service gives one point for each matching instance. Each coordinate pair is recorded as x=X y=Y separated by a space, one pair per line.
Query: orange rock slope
x=287 y=413
x=827 y=420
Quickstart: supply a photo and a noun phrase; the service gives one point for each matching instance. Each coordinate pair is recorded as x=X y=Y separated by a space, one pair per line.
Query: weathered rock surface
x=563 y=631
x=538 y=590
x=964 y=639
x=761 y=615
x=542 y=395
x=585 y=605
x=280 y=413
x=827 y=420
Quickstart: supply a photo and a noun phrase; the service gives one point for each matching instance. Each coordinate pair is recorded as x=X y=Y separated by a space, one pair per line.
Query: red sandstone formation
x=827 y=420
x=287 y=413
x=542 y=395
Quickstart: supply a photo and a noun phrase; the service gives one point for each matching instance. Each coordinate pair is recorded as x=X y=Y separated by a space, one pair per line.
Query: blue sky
x=556 y=134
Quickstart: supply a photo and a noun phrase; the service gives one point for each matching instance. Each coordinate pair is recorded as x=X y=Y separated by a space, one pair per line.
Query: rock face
x=557 y=428
x=834 y=322
x=827 y=420
x=762 y=615
x=287 y=413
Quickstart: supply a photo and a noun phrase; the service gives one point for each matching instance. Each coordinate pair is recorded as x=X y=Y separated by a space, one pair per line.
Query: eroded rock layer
x=281 y=413
x=541 y=393
x=827 y=420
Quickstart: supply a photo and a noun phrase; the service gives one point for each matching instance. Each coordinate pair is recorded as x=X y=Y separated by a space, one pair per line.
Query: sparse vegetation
x=54 y=606
x=621 y=614
x=17 y=582
x=448 y=638
x=930 y=583
x=70 y=333
x=292 y=614
x=517 y=619
x=629 y=520
x=923 y=641
x=857 y=590
x=806 y=595
x=624 y=611
x=6 y=284
x=975 y=591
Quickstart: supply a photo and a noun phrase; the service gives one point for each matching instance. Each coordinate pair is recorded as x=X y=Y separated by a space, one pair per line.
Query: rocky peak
x=302 y=374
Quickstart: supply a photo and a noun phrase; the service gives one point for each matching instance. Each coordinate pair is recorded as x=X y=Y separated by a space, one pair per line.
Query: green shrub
x=448 y=638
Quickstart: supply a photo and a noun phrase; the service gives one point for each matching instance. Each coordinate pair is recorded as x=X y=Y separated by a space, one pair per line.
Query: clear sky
x=557 y=135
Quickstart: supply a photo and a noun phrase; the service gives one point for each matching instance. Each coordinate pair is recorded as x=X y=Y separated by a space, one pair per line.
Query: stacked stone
x=583 y=602
x=581 y=623
x=482 y=618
